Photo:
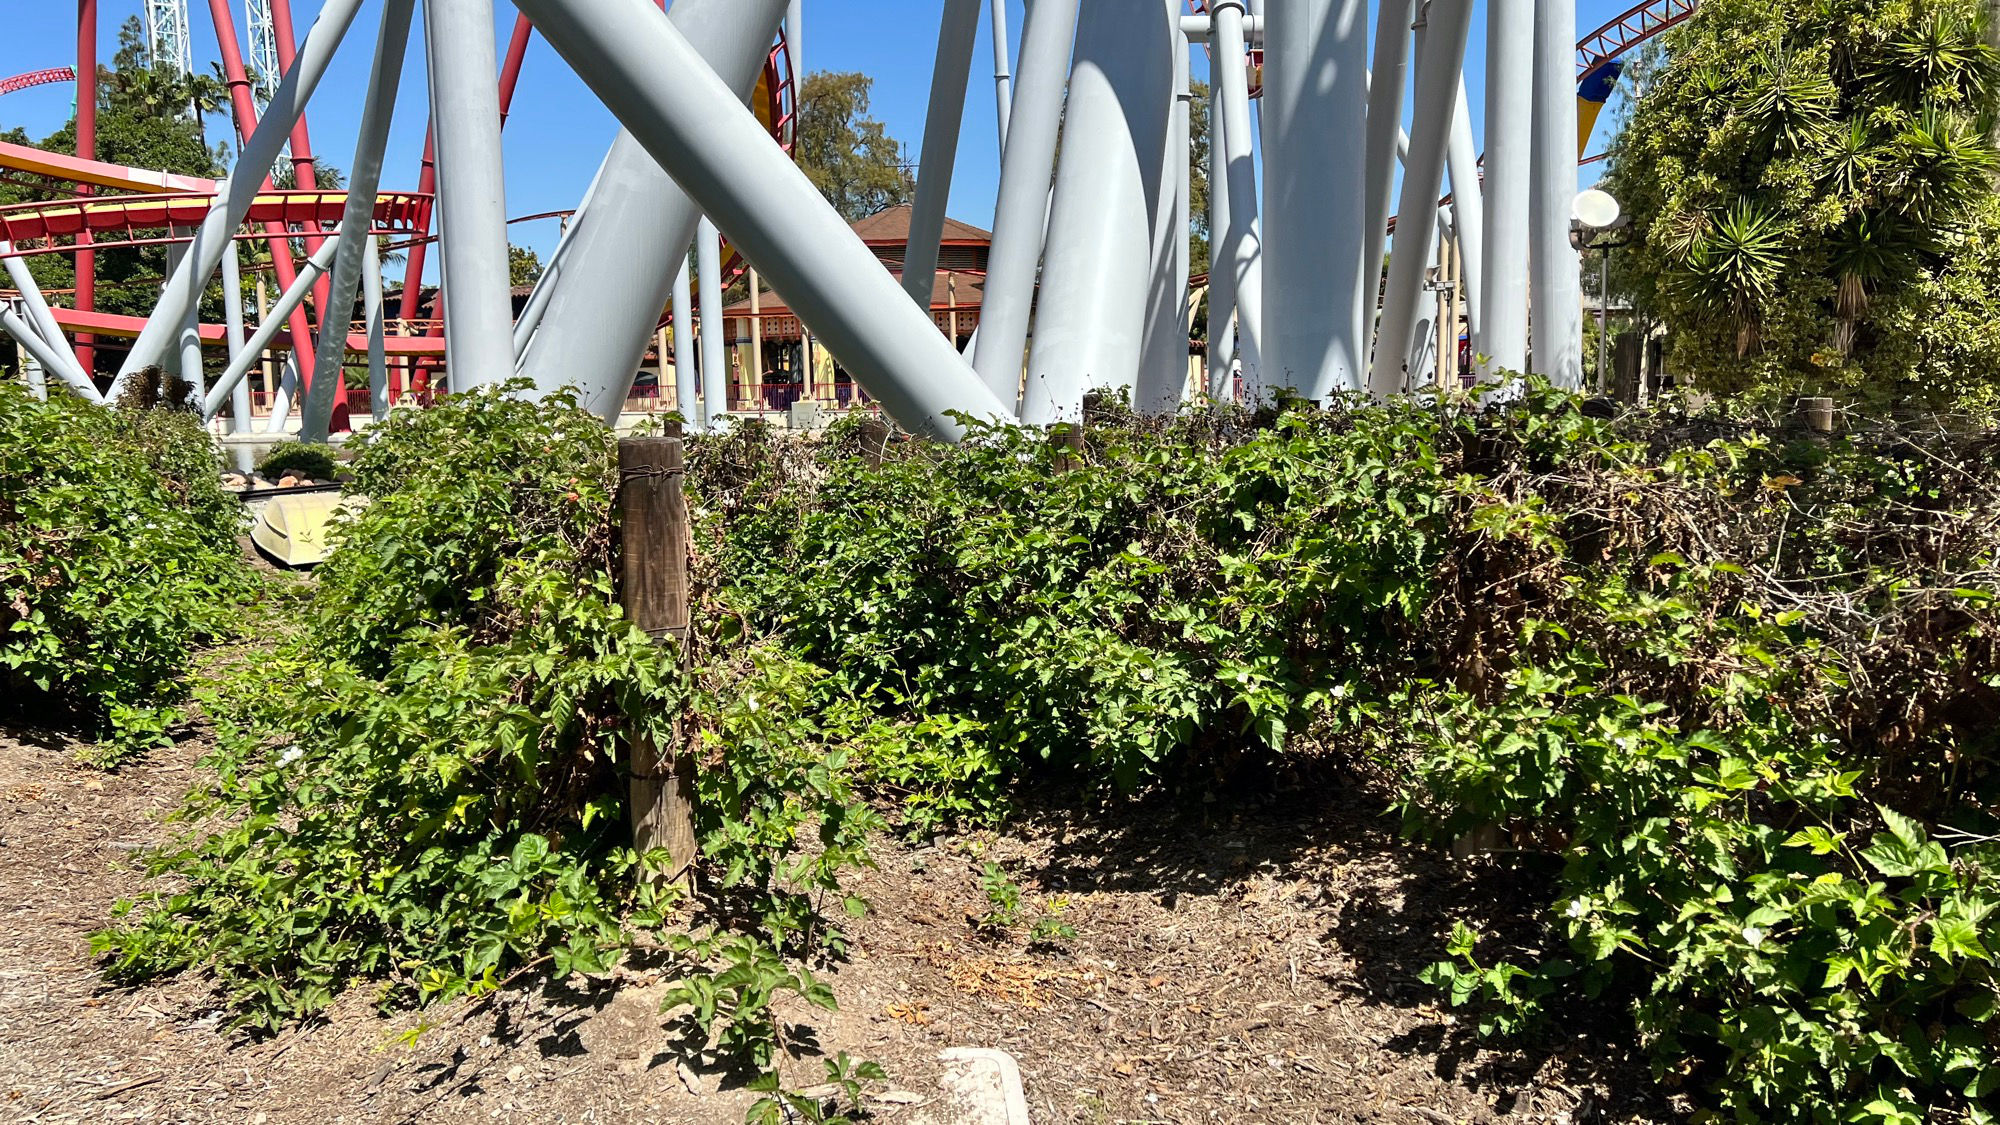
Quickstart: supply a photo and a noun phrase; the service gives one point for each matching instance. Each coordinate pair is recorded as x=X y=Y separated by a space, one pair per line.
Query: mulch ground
x=1257 y=965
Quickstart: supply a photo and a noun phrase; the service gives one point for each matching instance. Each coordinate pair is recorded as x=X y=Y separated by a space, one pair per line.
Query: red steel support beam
x=244 y=109
x=86 y=149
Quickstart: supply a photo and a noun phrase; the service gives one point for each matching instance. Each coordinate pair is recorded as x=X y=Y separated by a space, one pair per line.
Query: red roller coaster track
x=37 y=78
x=1629 y=30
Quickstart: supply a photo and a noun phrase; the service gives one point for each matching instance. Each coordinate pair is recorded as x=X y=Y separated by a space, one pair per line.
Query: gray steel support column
x=31 y=342
x=1020 y=213
x=1003 y=74
x=1555 y=281
x=958 y=33
x=472 y=197
x=183 y=290
x=530 y=319
x=615 y=278
x=36 y=308
x=1090 y=326
x=184 y=357
x=1438 y=65
x=190 y=350
x=1318 y=291
x=378 y=344
x=1241 y=246
x=33 y=374
x=272 y=324
x=1510 y=61
x=1221 y=290
x=714 y=361
x=1163 y=367
x=356 y=255
x=1468 y=210
x=1388 y=79
x=232 y=320
x=288 y=385
x=795 y=42
x=654 y=80
x=687 y=377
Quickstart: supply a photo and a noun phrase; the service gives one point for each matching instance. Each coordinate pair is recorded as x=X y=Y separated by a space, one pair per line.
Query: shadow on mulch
x=1390 y=923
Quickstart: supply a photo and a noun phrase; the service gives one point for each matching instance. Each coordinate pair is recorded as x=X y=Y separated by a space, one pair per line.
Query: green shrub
x=423 y=787
x=1740 y=692
x=298 y=459
x=118 y=557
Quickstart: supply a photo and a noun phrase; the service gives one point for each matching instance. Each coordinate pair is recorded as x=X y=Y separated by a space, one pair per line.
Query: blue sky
x=557 y=132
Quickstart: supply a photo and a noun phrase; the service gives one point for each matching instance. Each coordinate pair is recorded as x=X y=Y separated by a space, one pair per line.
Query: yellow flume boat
x=292 y=529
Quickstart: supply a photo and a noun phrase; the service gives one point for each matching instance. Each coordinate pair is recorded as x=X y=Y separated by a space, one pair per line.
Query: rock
x=288 y=482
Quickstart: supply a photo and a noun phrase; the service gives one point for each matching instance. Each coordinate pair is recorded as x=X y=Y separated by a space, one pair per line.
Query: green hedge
x=118 y=557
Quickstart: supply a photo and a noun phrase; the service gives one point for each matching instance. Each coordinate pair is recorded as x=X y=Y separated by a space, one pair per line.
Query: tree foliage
x=849 y=156
x=524 y=266
x=1811 y=185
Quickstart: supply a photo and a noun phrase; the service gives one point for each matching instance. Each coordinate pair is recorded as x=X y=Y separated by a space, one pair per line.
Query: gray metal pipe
x=1468 y=210
x=37 y=311
x=364 y=176
x=1090 y=327
x=1318 y=289
x=183 y=290
x=1241 y=250
x=281 y=403
x=472 y=195
x=958 y=33
x=1438 y=67
x=530 y=319
x=268 y=329
x=795 y=43
x=232 y=323
x=1510 y=61
x=32 y=342
x=1020 y=213
x=378 y=344
x=687 y=378
x=714 y=369
x=1555 y=281
x=35 y=375
x=1163 y=367
x=1221 y=289
x=1199 y=29
x=606 y=302
x=1386 y=142
x=1003 y=74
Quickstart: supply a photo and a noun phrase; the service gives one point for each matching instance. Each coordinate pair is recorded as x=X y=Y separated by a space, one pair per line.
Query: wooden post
x=874 y=441
x=1816 y=414
x=653 y=587
x=1628 y=361
x=1067 y=439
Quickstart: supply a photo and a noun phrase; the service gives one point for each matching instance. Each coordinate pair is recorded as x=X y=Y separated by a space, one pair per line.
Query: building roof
x=949 y=287
x=892 y=227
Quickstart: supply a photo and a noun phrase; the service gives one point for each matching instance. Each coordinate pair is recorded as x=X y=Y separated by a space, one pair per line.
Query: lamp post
x=1598 y=223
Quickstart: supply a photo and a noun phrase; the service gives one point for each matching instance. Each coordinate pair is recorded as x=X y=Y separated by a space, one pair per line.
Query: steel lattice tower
x=167 y=44
x=264 y=69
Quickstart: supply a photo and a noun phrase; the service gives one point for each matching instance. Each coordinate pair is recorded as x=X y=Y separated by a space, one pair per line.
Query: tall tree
x=849 y=156
x=1810 y=183
x=524 y=266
